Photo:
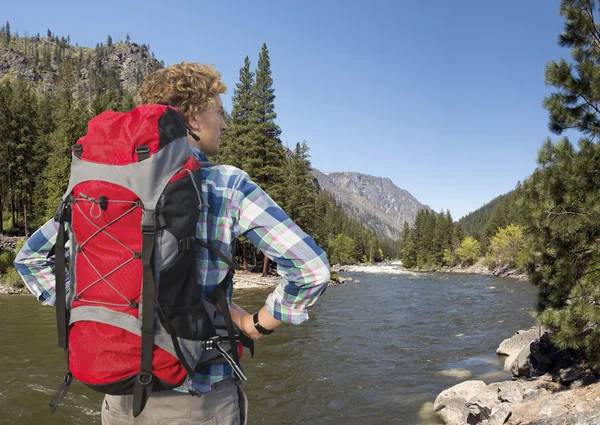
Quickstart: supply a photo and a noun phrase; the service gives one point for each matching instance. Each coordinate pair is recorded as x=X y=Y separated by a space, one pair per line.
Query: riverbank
x=478 y=268
x=243 y=280
x=247 y=280
x=7 y=290
x=481 y=269
x=549 y=387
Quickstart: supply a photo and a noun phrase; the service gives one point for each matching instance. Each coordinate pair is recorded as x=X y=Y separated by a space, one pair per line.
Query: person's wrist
x=258 y=327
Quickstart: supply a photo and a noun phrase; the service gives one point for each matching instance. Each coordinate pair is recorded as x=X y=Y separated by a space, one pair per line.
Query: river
x=378 y=352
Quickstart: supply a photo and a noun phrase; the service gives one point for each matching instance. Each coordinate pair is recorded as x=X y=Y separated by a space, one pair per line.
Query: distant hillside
x=374 y=201
x=474 y=223
x=484 y=222
x=119 y=67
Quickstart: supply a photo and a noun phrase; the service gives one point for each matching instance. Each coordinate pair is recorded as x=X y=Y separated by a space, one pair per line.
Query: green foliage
x=6 y=261
x=561 y=200
x=432 y=241
x=12 y=279
x=408 y=248
x=469 y=251
x=265 y=156
x=341 y=249
x=301 y=193
x=235 y=140
x=484 y=223
x=71 y=125
x=507 y=246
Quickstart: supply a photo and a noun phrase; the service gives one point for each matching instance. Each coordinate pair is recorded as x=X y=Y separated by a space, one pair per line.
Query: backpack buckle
x=148 y=226
x=143 y=152
x=144 y=378
x=63 y=212
x=187 y=243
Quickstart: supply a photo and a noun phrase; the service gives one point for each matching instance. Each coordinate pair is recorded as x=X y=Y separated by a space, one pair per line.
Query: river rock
x=584 y=382
x=451 y=403
x=522 y=365
x=481 y=406
x=533 y=394
x=512 y=346
x=545 y=355
x=510 y=392
x=571 y=419
x=558 y=405
x=8 y=243
x=568 y=375
x=500 y=416
x=454 y=413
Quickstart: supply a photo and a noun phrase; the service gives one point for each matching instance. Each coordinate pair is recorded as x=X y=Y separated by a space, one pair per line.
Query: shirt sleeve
x=35 y=263
x=303 y=265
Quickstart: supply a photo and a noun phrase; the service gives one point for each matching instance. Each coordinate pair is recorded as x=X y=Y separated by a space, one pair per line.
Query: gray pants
x=225 y=404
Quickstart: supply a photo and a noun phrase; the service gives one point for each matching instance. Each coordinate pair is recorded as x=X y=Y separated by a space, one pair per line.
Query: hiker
x=231 y=205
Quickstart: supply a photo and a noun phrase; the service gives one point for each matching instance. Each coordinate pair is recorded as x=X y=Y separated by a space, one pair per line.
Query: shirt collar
x=198 y=154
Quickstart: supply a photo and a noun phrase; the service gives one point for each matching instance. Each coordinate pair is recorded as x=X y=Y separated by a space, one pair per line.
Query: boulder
x=450 y=404
x=584 y=382
x=568 y=375
x=454 y=413
x=481 y=406
x=510 y=392
x=522 y=365
x=500 y=416
x=512 y=346
x=545 y=355
x=570 y=419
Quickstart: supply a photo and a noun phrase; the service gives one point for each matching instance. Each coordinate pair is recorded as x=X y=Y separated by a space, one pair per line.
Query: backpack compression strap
x=62 y=319
x=145 y=380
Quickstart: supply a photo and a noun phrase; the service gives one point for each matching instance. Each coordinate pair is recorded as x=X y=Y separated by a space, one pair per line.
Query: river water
x=374 y=353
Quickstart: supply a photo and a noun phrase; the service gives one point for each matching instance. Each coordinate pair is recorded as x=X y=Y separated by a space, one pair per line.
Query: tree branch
x=590 y=13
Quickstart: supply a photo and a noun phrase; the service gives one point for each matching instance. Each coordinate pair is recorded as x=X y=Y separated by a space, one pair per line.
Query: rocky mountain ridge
x=374 y=201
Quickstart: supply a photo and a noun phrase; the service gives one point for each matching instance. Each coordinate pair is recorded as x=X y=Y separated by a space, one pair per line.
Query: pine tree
x=109 y=41
x=26 y=163
x=561 y=200
x=408 y=252
x=575 y=103
x=264 y=157
x=71 y=125
x=7 y=33
x=127 y=39
x=5 y=118
x=233 y=144
x=300 y=202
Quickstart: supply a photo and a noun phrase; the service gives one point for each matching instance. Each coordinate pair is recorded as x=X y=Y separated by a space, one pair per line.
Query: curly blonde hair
x=189 y=87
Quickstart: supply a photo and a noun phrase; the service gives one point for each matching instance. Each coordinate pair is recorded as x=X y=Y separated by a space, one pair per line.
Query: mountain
x=119 y=67
x=376 y=202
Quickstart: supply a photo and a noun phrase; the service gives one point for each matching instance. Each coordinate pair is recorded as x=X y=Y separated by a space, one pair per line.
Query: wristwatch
x=258 y=327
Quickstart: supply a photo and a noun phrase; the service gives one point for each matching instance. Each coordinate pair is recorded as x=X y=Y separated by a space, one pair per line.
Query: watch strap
x=258 y=327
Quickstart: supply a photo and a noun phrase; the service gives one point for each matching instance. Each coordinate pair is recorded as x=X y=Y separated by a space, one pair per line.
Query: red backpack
x=133 y=319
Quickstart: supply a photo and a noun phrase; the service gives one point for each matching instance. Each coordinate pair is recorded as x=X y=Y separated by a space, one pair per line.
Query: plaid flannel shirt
x=236 y=207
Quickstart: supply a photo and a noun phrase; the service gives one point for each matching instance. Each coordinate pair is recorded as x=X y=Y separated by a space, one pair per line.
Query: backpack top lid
x=141 y=150
x=113 y=137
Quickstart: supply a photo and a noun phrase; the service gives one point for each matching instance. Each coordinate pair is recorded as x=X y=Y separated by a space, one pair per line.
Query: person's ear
x=194 y=124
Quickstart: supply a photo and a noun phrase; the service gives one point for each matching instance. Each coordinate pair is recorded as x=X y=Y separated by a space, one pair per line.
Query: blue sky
x=443 y=97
